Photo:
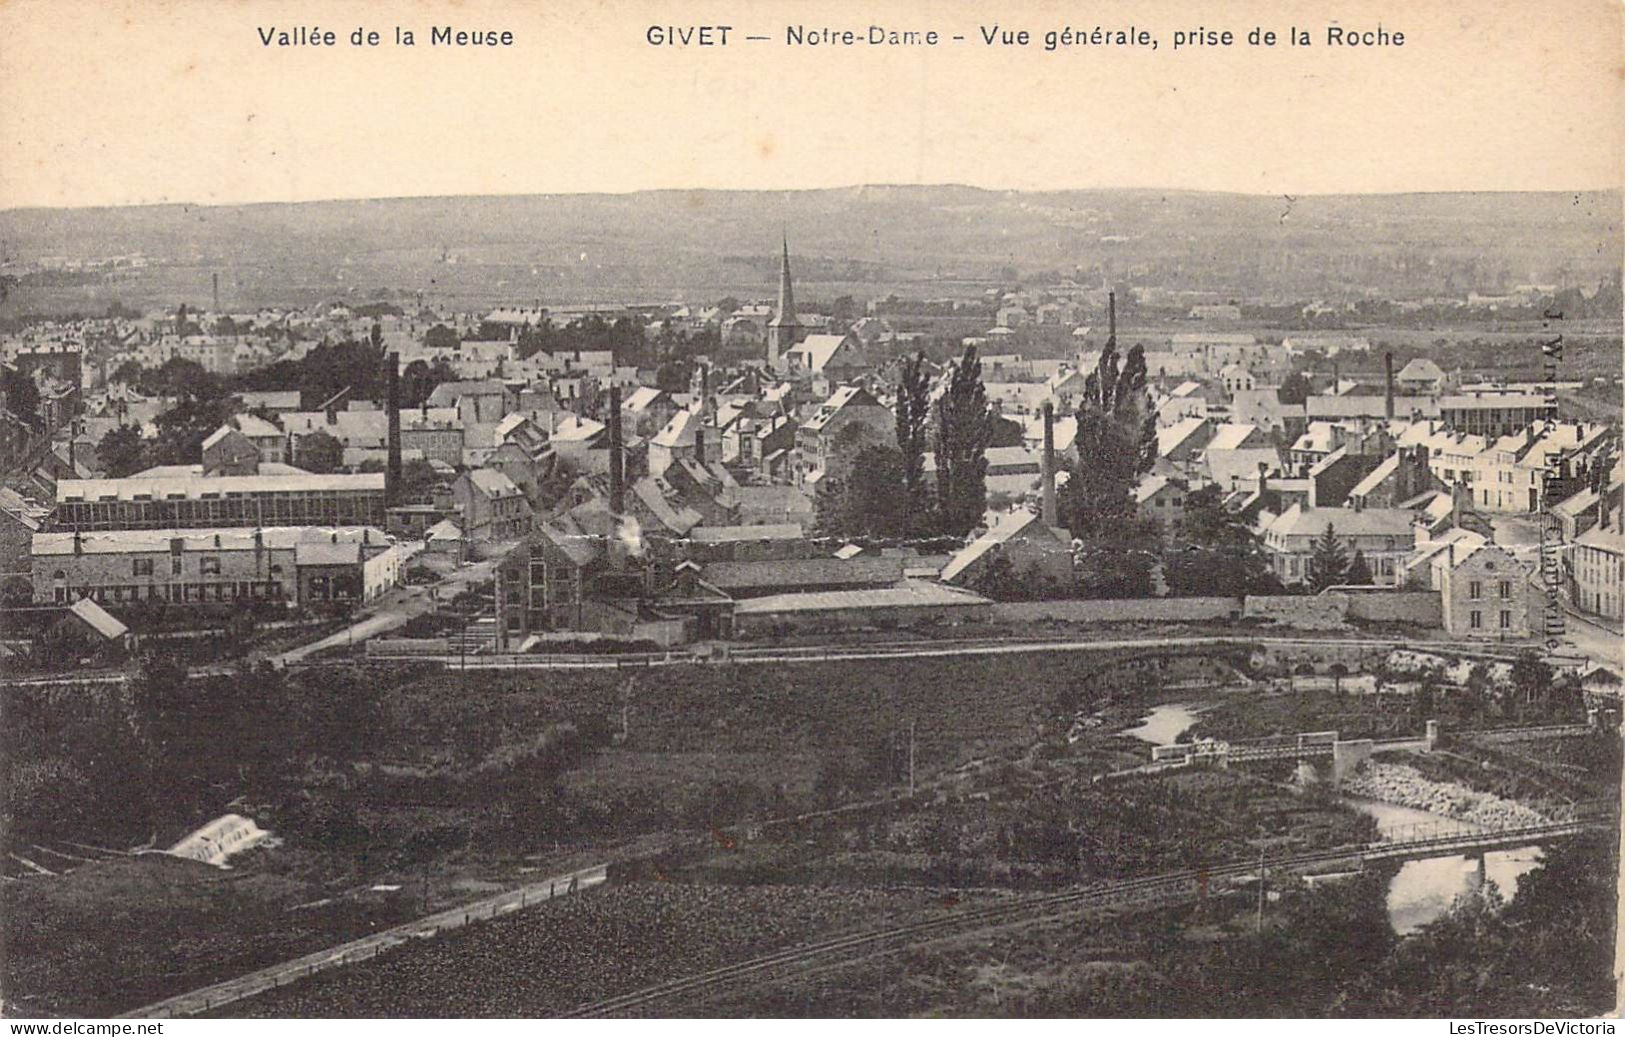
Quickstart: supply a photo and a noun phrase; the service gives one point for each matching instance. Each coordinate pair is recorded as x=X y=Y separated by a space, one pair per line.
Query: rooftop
x=909 y=593
x=236 y=538
x=803 y=572
x=194 y=487
x=1345 y=522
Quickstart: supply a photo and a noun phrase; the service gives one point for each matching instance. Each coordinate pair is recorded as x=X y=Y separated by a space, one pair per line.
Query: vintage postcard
x=873 y=509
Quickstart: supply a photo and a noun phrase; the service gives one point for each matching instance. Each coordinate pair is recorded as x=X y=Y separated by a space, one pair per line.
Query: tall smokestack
x=699 y=438
x=392 y=401
x=1049 y=465
x=216 y=293
x=617 y=474
x=1111 y=319
x=1388 y=385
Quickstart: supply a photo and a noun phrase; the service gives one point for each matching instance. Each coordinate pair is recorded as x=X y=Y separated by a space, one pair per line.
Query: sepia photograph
x=868 y=510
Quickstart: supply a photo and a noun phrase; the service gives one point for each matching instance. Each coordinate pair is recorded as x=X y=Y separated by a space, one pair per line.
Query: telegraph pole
x=911 y=759
x=1261 y=891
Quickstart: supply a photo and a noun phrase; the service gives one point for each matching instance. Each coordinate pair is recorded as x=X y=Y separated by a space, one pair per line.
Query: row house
x=299 y=565
x=1386 y=536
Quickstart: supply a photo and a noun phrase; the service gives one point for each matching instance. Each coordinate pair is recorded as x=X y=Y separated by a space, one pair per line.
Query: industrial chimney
x=617 y=473
x=1049 y=515
x=1388 y=386
x=392 y=401
x=1111 y=319
x=216 y=293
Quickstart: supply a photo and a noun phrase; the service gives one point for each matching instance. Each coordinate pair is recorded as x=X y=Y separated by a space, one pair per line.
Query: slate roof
x=737 y=576
x=910 y=593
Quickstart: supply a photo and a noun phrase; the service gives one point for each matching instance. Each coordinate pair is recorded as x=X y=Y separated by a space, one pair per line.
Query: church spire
x=784 y=330
x=787 y=297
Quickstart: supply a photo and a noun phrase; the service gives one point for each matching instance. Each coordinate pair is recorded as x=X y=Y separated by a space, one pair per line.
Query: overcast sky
x=165 y=101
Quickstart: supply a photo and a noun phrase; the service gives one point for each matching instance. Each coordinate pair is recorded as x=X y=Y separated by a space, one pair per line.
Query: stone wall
x=1384 y=605
x=1127 y=610
x=1320 y=612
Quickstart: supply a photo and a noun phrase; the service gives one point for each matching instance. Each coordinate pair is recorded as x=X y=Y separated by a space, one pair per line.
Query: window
x=1476 y=620
x=1292 y=566
x=174 y=565
x=1506 y=620
x=1506 y=591
x=141 y=567
x=209 y=565
x=1475 y=590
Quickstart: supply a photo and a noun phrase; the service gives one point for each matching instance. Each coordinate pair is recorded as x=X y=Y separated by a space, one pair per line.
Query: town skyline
x=1397 y=192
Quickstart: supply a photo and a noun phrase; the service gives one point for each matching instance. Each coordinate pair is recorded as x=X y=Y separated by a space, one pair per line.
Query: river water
x=1165 y=723
x=1423 y=890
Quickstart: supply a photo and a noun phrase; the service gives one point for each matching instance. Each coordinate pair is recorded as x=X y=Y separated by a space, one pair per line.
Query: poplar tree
x=913 y=425
x=964 y=431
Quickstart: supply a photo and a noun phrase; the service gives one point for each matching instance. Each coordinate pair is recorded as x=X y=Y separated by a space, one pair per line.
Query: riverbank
x=1406 y=786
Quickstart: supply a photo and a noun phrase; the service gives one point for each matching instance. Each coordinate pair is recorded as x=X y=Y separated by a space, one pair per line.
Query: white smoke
x=630 y=535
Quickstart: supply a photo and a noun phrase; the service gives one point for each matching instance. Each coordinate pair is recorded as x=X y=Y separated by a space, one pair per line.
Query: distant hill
x=920 y=240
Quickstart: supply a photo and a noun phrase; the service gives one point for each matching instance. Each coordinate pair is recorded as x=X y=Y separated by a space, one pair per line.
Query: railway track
x=1170 y=887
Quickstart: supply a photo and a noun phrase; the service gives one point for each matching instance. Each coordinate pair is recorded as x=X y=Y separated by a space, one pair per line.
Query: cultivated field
x=575 y=950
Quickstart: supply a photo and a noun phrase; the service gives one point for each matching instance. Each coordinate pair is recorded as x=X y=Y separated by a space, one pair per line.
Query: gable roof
x=1233 y=466
x=794 y=572
x=254 y=426
x=1420 y=369
x=213 y=439
x=98 y=619
x=818 y=350
x=678 y=432
x=1004 y=529
x=492 y=483
x=1148 y=487
x=1169 y=439
x=577 y=547
x=446 y=394
x=644 y=397
x=1230 y=436
x=904 y=594
x=1375 y=477
x=845 y=396
x=1345 y=522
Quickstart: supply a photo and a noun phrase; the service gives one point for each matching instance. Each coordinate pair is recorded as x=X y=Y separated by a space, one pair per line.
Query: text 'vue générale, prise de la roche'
x=1191 y=37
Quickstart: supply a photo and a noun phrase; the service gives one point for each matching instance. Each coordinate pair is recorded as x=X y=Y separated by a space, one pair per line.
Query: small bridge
x=1310 y=745
x=1474 y=843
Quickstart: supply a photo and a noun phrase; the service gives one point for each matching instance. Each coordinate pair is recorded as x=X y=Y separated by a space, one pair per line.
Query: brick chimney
x=617 y=474
x=1388 y=385
x=1048 y=466
x=392 y=400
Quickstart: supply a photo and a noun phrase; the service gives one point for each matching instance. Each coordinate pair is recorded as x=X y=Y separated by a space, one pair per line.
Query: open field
x=121 y=933
x=468 y=785
x=567 y=952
